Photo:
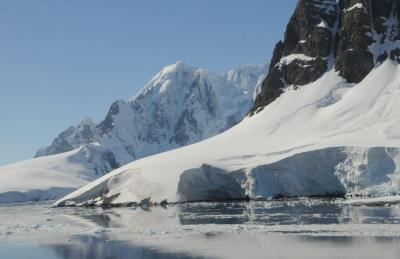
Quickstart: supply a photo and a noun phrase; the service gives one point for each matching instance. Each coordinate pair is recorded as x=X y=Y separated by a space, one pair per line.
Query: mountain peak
x=175 y=67
x=179 y=63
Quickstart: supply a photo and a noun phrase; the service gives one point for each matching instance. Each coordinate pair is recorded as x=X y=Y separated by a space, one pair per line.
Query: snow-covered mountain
x=179 y=106
x=326 y=120
x=73 y=137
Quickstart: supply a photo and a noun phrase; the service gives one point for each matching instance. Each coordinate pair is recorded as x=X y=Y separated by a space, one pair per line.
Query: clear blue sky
x=63 y=60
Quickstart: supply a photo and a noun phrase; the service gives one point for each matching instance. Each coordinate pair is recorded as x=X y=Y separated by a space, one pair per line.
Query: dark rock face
x=308 y=31
x=303 y=56
x=353 y=58
x=107 y=124
x=350 y=36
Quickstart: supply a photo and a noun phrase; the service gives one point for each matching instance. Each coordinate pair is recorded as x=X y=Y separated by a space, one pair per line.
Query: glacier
x=326 y=138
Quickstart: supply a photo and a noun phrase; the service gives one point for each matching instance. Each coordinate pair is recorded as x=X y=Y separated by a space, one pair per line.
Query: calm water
x=305 y=228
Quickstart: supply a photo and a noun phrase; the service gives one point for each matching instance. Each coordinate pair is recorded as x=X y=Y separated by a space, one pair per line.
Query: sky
x=64 y=60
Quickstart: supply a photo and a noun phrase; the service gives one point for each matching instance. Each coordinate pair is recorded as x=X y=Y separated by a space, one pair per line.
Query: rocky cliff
x=350 y=36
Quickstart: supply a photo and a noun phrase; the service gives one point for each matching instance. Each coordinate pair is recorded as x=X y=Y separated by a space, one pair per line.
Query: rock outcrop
x=350 y=36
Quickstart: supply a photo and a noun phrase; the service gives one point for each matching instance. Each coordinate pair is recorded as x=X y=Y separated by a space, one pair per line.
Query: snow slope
x=179 y=106
x=328 y=137
x=51 y=177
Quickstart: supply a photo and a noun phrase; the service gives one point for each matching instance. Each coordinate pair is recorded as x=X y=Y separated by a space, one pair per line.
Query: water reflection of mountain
x=88 y=247
x=265 y=213
x=370 y=215
x=292 y=212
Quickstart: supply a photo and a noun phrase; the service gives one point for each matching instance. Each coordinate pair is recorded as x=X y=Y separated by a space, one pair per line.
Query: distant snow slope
x=179 y=106
x=328 y=137
x=51 y=177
